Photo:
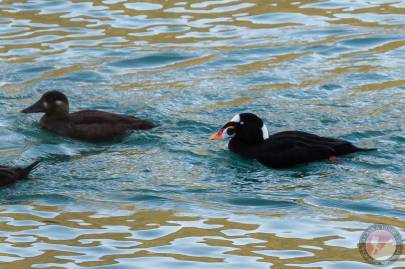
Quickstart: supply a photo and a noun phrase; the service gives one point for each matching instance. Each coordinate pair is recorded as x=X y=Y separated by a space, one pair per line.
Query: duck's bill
x=35 y=108
x=218 y=135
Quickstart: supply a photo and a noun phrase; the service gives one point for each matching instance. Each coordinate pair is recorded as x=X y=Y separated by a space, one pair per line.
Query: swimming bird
x=86 y=125
x=249 y=137
x=9 y=175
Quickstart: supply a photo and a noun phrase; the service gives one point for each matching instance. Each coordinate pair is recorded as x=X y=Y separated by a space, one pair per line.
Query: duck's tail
x=367 y=149
x=29 y=169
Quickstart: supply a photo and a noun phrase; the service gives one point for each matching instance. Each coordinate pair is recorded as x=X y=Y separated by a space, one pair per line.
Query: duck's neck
x=57 y=116
x=59 y=112
x=240 y=147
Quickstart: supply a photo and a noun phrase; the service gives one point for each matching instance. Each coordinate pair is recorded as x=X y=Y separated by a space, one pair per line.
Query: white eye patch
x=225 y=134
x=236 y=118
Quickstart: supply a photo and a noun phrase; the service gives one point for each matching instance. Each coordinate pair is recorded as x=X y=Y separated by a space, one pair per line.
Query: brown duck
x=86 y=125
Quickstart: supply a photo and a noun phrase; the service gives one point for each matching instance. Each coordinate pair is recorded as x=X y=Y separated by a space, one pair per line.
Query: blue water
x=333 y=68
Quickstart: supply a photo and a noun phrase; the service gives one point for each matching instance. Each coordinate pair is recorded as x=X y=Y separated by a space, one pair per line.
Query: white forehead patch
x=236 y=118
x=45 y=104
x=58 y=103
x=265 y=132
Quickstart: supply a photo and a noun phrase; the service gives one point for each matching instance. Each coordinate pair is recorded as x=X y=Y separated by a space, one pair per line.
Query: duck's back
x=94 y=125
x=339 y=146
x=102 y=117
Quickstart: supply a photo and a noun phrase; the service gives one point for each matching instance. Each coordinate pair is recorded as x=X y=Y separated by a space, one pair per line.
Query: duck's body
x=93 y=125
x=250 y=139
x=289 y=148
x=10 y=175
x=86 y=125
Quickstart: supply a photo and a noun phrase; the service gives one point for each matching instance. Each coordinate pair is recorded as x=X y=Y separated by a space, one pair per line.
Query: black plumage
x=10 y=175
x=249 y=138
x=87 y=125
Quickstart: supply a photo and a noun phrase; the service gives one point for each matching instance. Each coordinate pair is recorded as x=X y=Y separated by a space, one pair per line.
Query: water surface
x=169 y=197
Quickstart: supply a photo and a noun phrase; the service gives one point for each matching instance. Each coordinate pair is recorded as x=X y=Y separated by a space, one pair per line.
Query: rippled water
x=168 y=197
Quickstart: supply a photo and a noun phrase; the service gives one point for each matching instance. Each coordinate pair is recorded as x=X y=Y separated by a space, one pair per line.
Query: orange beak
x=217 y=135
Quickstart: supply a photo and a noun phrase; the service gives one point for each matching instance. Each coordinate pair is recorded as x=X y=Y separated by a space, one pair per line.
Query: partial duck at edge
x=10 y=175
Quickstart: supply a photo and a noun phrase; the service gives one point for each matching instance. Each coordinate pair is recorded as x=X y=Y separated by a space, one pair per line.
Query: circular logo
x=380 y=244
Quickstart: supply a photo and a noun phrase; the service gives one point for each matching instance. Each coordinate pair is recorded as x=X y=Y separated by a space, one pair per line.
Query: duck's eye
x=230 y=131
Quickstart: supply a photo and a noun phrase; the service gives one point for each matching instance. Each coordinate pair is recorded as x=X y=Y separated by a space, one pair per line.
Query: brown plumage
x=87 y=125
x=10 y=175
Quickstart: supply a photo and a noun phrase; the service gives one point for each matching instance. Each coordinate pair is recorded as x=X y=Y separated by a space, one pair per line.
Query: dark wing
x=286 y=152
x=338 y=145
x=94 y=125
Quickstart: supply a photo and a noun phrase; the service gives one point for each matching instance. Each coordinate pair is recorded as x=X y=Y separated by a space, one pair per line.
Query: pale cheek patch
x=59 y=103
x=225 y=134
x=45 y=104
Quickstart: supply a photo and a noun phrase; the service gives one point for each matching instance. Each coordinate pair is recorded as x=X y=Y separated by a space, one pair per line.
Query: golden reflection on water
x=50 y=235
x=40 y=28
x=314 y=43
x=63 y=25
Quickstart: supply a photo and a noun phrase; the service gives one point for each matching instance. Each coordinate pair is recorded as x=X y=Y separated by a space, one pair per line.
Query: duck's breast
x=54 y=125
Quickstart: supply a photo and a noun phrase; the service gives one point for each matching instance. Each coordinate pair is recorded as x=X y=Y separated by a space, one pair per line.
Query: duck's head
x=246 y=127
x=52 y=103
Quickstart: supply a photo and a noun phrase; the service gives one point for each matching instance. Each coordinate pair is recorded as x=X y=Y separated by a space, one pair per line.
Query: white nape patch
x=58 y=103
x=236 y=118
x=45 y=104
x=265 y=132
